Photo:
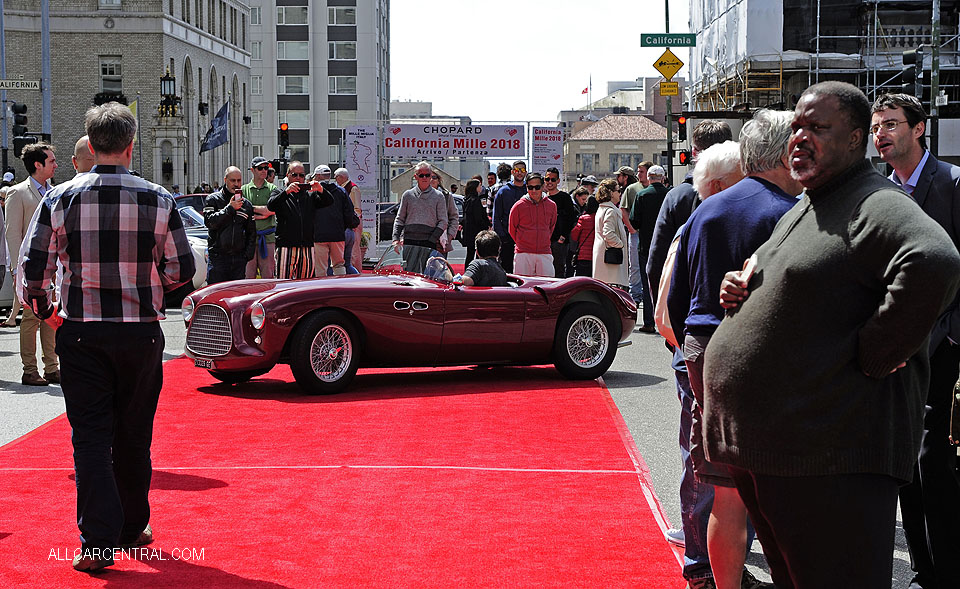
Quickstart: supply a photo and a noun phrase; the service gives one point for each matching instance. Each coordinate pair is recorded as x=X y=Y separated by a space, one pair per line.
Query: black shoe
x=750 y=582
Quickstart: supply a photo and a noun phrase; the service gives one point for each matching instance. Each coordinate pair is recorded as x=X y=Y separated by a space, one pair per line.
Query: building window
x=293 y=85
x=334 y=154
x=256 y=119
x=340 y=119
x=255 y=15
x=622 y=159
x=111 y=74
x=256 y=85
x=587 y=162
x=342 y=49
x=257 y=150
x=114 y=4
x=292 y=15
x=293 y=50
x=256 y=50
x=341 y=16
x=300 y=153
x=297 y=119
x=343 y=84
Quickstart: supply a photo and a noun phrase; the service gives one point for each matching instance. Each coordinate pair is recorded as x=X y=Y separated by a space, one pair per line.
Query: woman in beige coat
x=610 y=233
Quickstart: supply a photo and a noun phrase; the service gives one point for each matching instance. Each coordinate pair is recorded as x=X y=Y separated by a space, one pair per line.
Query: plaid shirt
x=120 y=241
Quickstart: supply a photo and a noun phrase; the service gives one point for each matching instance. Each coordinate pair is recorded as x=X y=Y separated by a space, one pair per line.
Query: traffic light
x=683 y=157
x=19 y=119
x=912 y=75
x=681 y=128
x=284 y=135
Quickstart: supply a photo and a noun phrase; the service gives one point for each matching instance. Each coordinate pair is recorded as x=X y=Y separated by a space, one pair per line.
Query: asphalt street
x=640 y=382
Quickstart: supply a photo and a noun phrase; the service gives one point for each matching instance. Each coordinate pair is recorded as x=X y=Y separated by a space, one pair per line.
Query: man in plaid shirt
x=122 y=245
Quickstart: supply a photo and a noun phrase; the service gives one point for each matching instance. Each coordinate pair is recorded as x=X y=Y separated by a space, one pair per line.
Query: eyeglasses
x=549 y=179
x=263 y=167
x=424 y=176
x=519 y=169
x=885 y=125
x=296 y=175
x=531 y=187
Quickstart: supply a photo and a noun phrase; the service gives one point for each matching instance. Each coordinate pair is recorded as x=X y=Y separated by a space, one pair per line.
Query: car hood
x=247 y=291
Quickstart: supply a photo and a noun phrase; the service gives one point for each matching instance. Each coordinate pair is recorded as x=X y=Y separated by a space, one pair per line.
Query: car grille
x=209 y=333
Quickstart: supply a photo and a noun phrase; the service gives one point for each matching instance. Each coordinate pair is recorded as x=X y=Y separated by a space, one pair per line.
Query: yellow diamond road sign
x=668 y=64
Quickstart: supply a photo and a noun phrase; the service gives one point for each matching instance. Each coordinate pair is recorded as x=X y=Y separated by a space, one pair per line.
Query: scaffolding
x=748 y=85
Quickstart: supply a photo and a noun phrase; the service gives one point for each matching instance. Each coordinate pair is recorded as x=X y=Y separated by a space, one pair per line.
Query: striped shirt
x=120 y=240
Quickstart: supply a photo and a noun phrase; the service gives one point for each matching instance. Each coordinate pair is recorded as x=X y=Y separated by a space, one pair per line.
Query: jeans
x=645 y=290
x=636 y=267
x=349 y=240
x=696 y=498
x=224 y=268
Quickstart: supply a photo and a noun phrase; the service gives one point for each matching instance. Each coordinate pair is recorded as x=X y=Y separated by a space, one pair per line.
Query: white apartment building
x=319 y=66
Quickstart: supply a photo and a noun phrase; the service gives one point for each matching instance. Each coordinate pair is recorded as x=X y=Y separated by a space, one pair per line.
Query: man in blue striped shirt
x=121 y=243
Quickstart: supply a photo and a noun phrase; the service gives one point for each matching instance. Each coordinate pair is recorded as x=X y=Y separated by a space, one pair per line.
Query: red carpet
x=436 y=478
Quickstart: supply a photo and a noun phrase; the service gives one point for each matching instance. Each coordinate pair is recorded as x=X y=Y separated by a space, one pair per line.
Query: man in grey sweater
x=421 y=219
x=815 y=384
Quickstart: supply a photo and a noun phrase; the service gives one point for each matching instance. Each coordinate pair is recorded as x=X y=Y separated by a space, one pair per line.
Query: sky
x=522 y=60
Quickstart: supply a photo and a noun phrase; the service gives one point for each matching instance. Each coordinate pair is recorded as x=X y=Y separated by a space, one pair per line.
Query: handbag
x=613 y=255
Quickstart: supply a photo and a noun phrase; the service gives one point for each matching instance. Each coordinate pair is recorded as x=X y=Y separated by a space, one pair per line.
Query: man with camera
x=296 y=208
x=233 y=232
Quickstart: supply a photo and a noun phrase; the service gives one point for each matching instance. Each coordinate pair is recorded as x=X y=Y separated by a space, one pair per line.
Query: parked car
x=403 y=315
x=194 y=201
x=387 y=213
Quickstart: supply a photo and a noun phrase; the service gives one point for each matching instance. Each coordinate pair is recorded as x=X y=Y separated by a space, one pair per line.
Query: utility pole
x=669 y=119
x=935 y=81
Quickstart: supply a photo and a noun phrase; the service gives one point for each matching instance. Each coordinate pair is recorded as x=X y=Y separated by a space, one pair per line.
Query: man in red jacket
x=531 y=224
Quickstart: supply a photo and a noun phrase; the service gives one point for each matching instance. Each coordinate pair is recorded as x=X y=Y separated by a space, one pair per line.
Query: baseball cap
x=591 y=179
x=8 y=177
x=656 y=171
x=626 y=170
x=321 y=169
x=258 y=161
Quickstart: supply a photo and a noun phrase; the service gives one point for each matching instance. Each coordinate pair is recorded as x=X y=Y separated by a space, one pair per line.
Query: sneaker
x=89 y=562
x=704 y=583
x=675 y=536
x=750 y=582
x=145 y=537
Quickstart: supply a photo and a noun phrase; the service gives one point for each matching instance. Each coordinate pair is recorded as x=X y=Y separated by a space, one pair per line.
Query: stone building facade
x=119 y=49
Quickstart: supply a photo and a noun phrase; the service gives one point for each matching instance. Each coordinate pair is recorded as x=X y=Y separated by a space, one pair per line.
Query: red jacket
x=531 y=225
x=583 y=234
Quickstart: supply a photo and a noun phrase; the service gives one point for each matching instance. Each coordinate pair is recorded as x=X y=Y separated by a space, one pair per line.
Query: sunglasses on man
x=263 y=167
x=424 y=176
x=532 y=187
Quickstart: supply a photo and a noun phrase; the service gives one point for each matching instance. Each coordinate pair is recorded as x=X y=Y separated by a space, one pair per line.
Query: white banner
x=360 y=155
x=547 y=149
x=429 y=141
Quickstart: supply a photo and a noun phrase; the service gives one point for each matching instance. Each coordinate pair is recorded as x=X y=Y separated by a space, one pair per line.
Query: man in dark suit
x=931 y=503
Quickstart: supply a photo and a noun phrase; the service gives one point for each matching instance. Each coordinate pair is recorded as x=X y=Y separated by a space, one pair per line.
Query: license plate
x=203 y=363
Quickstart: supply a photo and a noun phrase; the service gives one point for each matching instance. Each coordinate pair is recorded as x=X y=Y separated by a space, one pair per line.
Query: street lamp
x=168 y=95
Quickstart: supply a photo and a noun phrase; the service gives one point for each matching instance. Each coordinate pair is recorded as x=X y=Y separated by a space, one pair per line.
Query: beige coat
x=610 y=232
x=22 y=201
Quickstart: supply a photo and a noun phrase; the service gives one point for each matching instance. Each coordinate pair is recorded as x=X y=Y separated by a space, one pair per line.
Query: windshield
x=191 y=219
x=417 y=259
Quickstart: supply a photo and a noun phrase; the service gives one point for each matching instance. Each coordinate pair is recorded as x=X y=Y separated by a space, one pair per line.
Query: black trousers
x=224 y=268
x=584 y=268
x=793 y=516
x=561 y=255
x=507 y=251
x=930 y=505
x=111 y=375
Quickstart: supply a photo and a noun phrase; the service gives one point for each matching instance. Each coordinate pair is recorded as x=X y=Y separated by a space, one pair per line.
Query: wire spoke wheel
x=587 y=341
x=331 y=353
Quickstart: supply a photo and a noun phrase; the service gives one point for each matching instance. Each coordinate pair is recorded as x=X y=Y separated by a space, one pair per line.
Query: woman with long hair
x=475 y=218
x=610 y=242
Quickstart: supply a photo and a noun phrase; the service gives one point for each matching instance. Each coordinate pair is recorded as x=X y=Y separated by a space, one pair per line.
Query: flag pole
x=139 y=138
x=590 y=93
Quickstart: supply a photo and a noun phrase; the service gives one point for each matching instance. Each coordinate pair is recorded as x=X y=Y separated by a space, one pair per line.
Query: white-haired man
x=421 y=219
x=643 y=218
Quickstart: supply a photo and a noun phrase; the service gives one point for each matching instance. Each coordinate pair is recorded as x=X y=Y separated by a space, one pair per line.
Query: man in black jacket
x=566 y=219
x=296 y=208
x=330 y=225
x=233 y=232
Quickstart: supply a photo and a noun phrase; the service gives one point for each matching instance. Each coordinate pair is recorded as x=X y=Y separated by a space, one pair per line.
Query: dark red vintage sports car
x=411 y=312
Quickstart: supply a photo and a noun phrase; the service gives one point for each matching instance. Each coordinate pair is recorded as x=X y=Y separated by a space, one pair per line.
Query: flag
x=585 y=90
x=218 y=133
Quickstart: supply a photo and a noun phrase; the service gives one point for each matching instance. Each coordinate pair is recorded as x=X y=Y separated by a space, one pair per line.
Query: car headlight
x=187 y=308
x=257 y=316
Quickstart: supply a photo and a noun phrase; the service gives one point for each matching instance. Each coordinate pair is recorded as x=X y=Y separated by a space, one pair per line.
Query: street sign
x=19 y=84
x=668 y=64
x=669 y=88
x=668 y=40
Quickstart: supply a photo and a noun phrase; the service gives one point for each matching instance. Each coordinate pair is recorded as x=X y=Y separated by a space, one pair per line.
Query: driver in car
x=486 y=270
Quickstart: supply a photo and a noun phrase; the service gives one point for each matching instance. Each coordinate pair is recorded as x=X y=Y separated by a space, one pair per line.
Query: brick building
x=118 y=50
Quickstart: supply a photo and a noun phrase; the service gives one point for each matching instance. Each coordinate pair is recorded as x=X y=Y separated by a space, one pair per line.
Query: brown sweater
x=848 y=285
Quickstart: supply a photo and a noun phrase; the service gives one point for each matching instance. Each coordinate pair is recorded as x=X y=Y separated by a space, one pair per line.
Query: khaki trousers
x=28 y=343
